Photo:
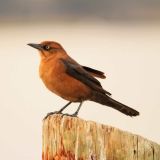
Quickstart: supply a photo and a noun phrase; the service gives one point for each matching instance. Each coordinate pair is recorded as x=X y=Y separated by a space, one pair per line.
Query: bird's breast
x=56 y=79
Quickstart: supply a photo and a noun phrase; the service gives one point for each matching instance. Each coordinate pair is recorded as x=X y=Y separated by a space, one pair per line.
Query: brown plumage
x=76 y=83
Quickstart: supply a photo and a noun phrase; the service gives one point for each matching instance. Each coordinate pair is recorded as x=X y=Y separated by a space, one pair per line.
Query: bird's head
x=48 y=48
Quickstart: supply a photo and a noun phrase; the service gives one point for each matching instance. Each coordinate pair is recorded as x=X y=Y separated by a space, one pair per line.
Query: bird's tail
x=108 y=101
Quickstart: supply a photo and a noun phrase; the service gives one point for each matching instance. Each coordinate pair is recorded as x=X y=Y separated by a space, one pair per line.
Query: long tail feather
x=108 y=101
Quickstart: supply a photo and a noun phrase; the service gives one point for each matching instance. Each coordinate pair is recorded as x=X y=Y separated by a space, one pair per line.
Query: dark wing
x=80 y=74
x=94 y=72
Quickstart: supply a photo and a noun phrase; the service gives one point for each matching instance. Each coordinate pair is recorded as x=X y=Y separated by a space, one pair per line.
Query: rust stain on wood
x=68 y=138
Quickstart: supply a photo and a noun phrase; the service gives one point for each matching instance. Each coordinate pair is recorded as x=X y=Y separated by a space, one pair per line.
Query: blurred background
x=119 y=37
x=76 y=10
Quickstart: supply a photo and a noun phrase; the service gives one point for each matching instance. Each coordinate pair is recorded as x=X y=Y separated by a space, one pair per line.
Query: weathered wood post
x=67 y=138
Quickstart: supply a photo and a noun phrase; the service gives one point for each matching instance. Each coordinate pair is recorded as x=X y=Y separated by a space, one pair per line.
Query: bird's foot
x=71 y=115
x=51 y=113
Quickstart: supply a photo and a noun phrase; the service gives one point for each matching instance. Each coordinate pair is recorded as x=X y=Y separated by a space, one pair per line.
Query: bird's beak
x=37 y=46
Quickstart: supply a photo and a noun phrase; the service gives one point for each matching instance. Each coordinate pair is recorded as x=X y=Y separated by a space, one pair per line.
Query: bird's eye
x=46 y=47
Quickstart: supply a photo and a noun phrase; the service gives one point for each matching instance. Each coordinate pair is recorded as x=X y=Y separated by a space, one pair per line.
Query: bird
x=73 y=82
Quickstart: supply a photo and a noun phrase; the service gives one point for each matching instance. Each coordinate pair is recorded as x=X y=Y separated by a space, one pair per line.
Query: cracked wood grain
x=68 y=138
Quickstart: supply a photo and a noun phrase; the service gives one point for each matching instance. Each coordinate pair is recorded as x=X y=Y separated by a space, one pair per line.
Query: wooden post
x=67 y=138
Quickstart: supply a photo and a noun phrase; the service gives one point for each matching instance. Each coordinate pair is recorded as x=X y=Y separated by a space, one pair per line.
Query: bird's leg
x=76 y=112
x=58 y=112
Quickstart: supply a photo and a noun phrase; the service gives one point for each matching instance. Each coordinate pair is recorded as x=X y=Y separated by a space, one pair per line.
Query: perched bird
x=68 y=79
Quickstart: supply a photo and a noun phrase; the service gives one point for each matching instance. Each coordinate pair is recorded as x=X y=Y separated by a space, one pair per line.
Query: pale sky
x=129 y=54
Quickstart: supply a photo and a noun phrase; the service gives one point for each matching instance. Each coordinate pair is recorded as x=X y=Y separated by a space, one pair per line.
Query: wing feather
x=77 y=71
x=94 y=72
